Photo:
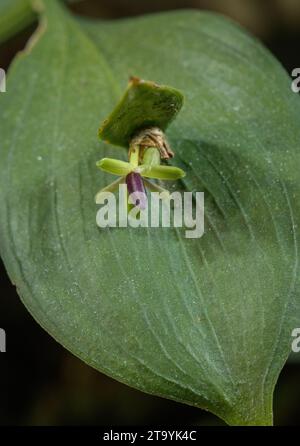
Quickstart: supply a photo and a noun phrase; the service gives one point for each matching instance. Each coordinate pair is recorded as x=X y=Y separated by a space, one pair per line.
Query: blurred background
x=43 y=384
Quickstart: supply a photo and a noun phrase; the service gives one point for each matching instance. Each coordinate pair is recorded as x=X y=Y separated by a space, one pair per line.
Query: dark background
x=43 y=384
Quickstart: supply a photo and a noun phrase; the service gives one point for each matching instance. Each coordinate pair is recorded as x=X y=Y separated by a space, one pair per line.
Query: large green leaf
x=204 y=321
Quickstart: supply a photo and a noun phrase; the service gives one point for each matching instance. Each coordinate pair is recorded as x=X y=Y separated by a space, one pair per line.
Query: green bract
x=144 y=104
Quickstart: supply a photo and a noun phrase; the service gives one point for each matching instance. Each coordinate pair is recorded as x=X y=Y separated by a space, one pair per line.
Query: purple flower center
x=136 y=189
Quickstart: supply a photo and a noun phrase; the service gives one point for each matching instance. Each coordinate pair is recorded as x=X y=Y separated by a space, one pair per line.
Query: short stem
x=134 y=154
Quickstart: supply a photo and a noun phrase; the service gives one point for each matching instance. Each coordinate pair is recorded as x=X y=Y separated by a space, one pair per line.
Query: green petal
x=162 y=172
x=116 y=167
x=151 y=157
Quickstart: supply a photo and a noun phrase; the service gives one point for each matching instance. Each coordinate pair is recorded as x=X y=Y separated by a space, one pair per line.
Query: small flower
x=136 y=174
x=138 y=122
